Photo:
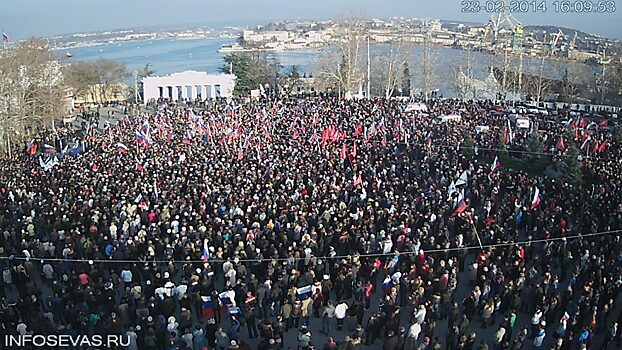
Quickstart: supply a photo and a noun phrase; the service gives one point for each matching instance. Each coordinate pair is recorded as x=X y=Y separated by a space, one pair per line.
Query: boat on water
x=235 y=47
x=69 y=55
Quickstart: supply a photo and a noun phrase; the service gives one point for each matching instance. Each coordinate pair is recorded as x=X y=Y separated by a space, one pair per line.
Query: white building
x=188 y=85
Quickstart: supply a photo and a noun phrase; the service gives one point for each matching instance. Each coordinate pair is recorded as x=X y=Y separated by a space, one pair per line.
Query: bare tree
x=32 y=90
x=543 y=84
x=341 y=66
x=82 y=76
x=110 y=73
x=463 y=75
x=426 y=72
x=575 y=81
x=505 y=76
x=388 y=69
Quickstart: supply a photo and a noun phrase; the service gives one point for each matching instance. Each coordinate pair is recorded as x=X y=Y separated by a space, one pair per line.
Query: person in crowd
x=175 y=224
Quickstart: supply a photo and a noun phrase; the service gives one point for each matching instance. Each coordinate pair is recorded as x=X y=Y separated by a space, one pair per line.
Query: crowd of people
x=317 y=223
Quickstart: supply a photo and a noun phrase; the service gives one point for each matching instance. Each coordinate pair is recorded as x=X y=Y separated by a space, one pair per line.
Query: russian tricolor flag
x=32 y=147
x=509 y=135
x=49 y=148
x=141 y=138
x=207 y=307
x=535 y=202
x=122 y=148
x=206 y=255
x=139 y=167
x=495 y=164
x=304 y=292
x=460 y=208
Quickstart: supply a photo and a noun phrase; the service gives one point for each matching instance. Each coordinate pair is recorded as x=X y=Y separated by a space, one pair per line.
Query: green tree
x=570 y=169
x=291 y=81
x=144 y=73
x=534 y=146
x=238 y=65
x=468 y=149
x=406 y=78
x=251 y=70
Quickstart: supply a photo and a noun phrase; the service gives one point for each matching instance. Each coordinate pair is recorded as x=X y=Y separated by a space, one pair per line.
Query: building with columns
x=188 y=85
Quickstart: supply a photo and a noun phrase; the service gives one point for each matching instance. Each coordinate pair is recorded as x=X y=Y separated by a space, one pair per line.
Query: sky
x=25 y=18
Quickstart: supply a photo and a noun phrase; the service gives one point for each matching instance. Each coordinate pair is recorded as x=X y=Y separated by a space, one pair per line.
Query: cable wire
x=371 y=255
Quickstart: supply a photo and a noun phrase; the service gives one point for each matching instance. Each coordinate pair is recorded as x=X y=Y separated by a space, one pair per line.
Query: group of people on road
x=318 y=223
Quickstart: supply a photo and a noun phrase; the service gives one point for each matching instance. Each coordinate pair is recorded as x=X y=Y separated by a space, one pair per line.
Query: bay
x=168 y=56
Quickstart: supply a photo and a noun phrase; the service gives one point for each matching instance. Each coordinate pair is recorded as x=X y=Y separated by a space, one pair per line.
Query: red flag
x=354 y=151
x=583 y=123
x=240 y=154
x=604 y=122
x=344 y=151
x=324 y=136
x=596 y=147
x=602 y=147
x=358 y=131
x=296 y=135
x=560 y=144
x=358 y=180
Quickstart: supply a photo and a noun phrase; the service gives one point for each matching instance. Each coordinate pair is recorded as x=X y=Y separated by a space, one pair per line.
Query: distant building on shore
x=188 y=85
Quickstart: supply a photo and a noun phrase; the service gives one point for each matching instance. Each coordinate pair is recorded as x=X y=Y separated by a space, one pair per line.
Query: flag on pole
x=5 y=38
x=588 y=139
x=344 y=151
x=535 y=202
x=49 y=148
x=509 y=135
x=139 y=167
x=495 y=165
x=358 y=180
x=240 y=154
x=560 y=144
x=463 y=179
x=32 y=147
x=122 y=148
x=451 y=190
x=206 y=255
x=460 y=208
x=155 y=190
x=354 y=151
x=141 y=138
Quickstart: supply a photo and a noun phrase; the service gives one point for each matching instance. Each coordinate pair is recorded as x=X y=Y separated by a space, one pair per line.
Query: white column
x=184 y=92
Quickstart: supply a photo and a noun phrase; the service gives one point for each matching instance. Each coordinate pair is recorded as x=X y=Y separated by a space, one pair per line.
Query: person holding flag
x=535 y=201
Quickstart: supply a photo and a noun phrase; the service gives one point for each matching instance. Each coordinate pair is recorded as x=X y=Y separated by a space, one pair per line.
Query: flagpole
x=476 y=234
